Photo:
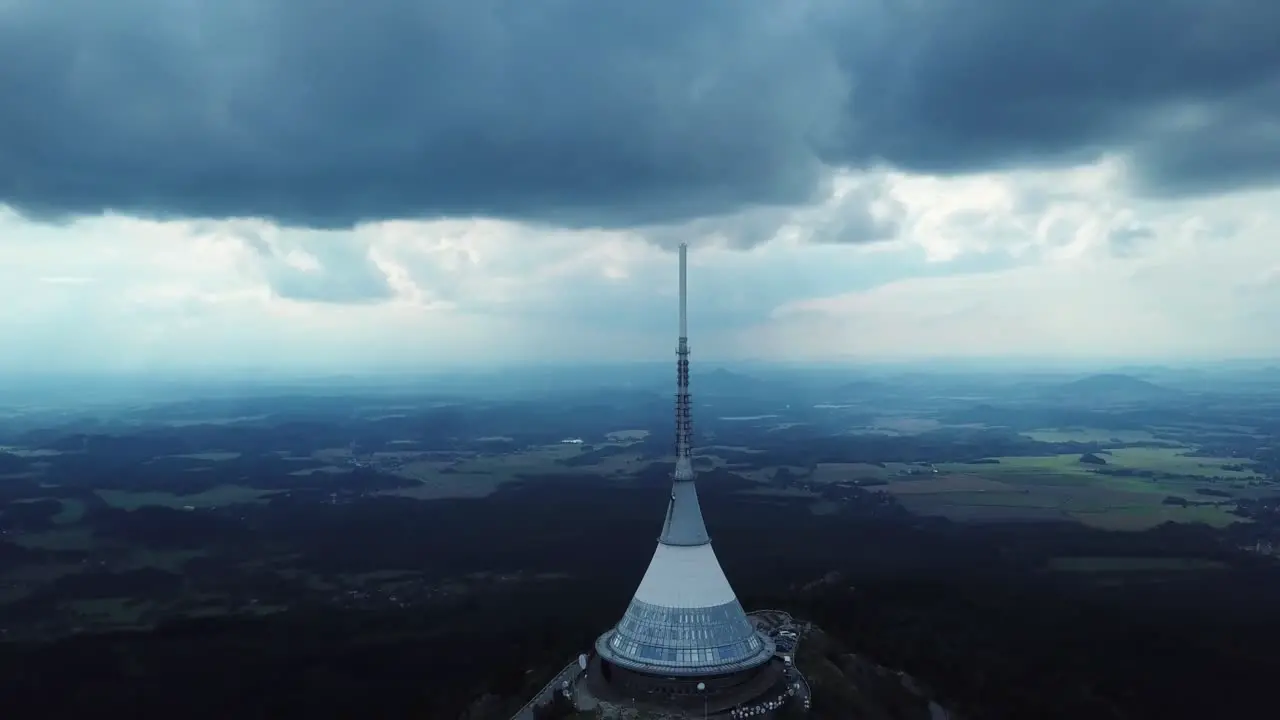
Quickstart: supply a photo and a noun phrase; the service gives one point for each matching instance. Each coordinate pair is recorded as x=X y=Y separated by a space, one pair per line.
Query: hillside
x=846 y=685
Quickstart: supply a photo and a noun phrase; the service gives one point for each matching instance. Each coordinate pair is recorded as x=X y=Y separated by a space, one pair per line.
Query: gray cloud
x=1216 y=149
x=576 y=112
x=1129 y=240
x=860 y=213
x=853 y=220
x=344 y=273
x=331 y=270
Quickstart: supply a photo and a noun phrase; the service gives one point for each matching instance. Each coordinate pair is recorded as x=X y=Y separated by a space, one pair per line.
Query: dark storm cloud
x=863 y=213
x=952 y=85
x=327 y=112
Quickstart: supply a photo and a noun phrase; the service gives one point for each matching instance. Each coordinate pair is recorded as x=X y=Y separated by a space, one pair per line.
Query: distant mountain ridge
x=1113 y=387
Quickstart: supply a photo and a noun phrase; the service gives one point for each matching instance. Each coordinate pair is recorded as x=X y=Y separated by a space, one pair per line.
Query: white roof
x=685 y=577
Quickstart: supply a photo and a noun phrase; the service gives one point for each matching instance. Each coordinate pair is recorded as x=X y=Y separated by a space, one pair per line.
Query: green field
x=1061 y=485
x=209 y=456
x=1173 y=461
x=28 y=453
x=1145 y=517
x=170 y=560
x=848 y=472
x=1052 y=487
x=1130 y=564
x=1170 y=460
x=1092 y=435
x=627 y=435
x=71 y=538
x=1094 y=506
x=118 y=612
x=71 y=512
x=215 y=497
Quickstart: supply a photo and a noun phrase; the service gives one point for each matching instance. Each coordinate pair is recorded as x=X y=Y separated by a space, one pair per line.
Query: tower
x=684 y=633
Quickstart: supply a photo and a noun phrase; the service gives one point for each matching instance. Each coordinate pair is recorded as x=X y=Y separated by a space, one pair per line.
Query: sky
x=395 y=184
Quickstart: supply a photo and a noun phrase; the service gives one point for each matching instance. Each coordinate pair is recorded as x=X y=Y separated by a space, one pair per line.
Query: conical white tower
x=684 y=620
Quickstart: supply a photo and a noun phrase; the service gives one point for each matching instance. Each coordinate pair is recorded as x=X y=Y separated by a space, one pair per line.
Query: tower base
x=679 y=696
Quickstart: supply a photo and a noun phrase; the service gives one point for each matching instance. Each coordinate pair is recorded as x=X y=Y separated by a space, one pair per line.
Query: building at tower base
x=681 y=697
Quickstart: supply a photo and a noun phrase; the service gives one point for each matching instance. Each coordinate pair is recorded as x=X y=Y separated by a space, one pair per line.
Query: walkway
x=548 y=691
x=794 y=676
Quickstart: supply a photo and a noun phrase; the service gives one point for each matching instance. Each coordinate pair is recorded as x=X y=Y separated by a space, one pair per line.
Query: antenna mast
x=684 y=424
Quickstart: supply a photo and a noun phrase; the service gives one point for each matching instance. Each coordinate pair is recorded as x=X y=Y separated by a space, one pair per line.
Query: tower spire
x=684 y=293
x=684 y=524
x=684 y=620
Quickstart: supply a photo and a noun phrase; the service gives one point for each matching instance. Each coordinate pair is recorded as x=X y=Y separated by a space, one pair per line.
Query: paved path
x=568 y=674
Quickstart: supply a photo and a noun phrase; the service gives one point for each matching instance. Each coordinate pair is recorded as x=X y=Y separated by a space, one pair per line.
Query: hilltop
x=1113 y=388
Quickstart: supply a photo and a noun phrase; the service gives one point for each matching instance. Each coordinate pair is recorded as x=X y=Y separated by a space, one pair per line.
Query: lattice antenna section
x=684 y=405
x=684 y=419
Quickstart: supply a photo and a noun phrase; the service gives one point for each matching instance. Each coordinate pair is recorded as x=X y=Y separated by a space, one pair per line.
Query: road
x=569 y=672
x=803 y=693
x=782 y=620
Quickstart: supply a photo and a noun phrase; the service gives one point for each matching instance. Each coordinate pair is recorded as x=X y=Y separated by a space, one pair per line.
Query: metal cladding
x=684 y=525
x=685 y=619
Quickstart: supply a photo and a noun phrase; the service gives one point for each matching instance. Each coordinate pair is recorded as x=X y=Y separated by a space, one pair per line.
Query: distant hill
x=1113 y=388
x=725 y=382
x=861 y=390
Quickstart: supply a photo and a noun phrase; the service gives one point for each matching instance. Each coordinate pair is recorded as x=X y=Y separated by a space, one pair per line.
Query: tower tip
x=684 y=290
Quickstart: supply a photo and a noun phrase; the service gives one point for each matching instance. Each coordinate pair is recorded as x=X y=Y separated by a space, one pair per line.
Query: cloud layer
x=1032 y=263
x=581 y=113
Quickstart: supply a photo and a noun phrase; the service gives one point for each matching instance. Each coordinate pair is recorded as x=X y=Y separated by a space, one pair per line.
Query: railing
x=528 y=707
